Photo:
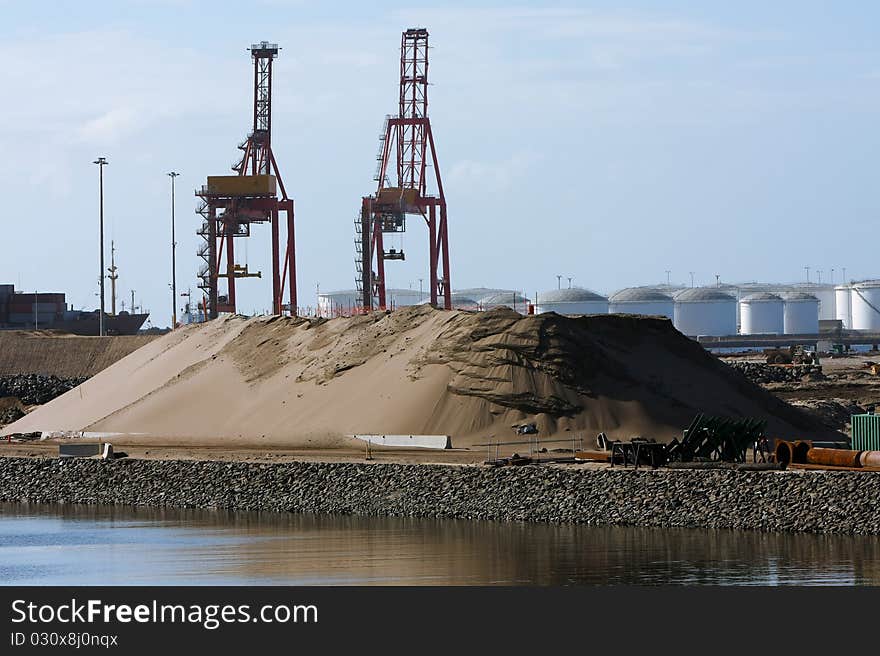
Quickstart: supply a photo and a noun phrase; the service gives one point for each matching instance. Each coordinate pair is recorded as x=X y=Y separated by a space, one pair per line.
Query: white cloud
x=484 y=175
x=110 y=126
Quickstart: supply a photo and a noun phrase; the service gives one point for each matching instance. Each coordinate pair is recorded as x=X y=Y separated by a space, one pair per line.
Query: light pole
x=569 y=282
x=558 y=281
x=692 y=278
x=101 y=162
x=807 y=269
x=173 y=175
x=667 y=277
x=420 y=290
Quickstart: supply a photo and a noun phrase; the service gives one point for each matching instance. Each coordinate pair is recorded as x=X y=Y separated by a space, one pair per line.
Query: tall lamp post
x=101 y=162
x=173 y=175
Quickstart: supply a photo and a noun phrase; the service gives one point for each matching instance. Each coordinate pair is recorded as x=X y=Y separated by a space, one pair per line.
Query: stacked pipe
x=802 y=452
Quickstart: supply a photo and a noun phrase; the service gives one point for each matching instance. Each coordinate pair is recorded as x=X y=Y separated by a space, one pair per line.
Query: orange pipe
x=870 y=459
x=834 y=457
x=784 y=451
x=800 y=449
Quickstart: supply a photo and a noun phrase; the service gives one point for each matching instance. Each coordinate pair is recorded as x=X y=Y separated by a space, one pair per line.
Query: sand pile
x=308 y=383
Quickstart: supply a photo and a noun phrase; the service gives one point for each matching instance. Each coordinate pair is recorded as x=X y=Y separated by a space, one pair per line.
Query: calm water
x=55 y=545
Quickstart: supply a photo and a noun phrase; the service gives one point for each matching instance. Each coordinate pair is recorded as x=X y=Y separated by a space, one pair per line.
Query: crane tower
x=406 y=151
x=231 y=204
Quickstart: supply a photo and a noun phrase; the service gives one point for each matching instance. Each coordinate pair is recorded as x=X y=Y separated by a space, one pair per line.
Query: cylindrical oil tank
x=512 y=300
x=761 y=314
x=705 y=311
x=571 y=300
x=825 y=294
x=800 y=314
x=865 y=305
x=642 y=300
x=842 y=306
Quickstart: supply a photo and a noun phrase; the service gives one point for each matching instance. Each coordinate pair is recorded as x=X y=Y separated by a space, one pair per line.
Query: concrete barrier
x=68 y=434
x=408 y=441
x=87 y=450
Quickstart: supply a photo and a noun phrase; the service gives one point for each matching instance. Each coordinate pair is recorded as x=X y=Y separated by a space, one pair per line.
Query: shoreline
x=787 y=501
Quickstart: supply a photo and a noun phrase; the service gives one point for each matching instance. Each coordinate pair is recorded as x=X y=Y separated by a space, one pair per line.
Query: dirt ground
x=847 y=387
x=846 y=377
x=49 y=449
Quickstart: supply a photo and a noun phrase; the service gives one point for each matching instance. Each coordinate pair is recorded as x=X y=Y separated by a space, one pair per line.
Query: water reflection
x=70 y=545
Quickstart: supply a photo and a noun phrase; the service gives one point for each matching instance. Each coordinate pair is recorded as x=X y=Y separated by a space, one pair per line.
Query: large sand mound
x=308 y=383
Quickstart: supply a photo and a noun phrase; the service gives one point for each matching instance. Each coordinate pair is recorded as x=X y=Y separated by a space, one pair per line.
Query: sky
x=609 y=142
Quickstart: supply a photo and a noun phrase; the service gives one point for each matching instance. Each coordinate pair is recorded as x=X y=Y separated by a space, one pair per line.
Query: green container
x=866 y=432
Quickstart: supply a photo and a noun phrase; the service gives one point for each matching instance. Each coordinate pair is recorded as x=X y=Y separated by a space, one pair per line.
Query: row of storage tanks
x=727 y=310
x=748 y=309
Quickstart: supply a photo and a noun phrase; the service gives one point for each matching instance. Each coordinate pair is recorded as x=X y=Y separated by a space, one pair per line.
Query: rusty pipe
x=869 y=459
x=784 y=451
x=834 y=457
x=799 y=451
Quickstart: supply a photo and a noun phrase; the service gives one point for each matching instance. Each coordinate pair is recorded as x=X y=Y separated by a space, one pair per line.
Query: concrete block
x=408 y=441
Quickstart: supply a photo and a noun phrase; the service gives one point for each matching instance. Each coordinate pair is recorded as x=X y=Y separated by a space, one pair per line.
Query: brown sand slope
x=65 y=356
x=298 y=383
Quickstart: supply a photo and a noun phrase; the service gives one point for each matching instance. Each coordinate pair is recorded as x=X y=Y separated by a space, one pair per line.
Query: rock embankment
x=824 y=502
x=762 y=373
x=36 y=389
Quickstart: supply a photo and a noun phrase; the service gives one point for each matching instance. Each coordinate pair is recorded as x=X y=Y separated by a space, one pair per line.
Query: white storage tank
x=826 y=295
x=801 y=314
x=512 y=300
x=842 y=305
x=642 y=300
x=571 y=300
x=344 y=302
x=459 y=302
x=705 y=311
x=865 y=305
x=761 y=314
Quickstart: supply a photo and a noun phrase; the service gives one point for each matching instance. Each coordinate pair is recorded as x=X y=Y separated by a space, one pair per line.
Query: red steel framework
x=229 y=216
x=407 y=138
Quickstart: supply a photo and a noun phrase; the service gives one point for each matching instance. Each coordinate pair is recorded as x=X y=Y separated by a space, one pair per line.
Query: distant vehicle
x=791 y=355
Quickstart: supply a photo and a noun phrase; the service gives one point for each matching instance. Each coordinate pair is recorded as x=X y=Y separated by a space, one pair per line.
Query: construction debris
x=720 y=438
x=803 y=453
x=761 y=373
